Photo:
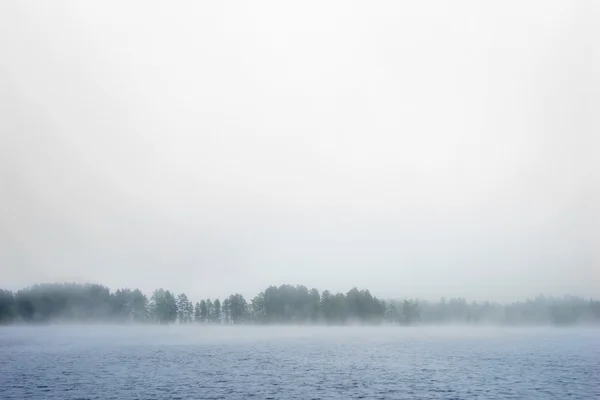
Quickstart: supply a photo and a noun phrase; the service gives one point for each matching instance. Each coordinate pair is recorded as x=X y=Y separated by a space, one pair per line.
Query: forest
x=285 y=304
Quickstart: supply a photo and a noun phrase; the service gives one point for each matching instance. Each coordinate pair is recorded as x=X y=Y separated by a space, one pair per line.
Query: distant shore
x=286 y=305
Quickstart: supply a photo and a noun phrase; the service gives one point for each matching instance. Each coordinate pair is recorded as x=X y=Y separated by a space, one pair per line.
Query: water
x=100 y=362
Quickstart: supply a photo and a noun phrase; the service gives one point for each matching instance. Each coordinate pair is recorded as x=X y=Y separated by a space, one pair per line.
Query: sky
x=417 y=149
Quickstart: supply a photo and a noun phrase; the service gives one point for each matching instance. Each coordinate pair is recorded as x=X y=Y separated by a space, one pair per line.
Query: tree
x=24 y=305
x=197 y=313
x=595 y=310
x=203 y=312
x=410 y=312
x=226 y=309
x=119 y=304
x=393 y=315
x=139 y=306
x=210 y=310
x=170 y=306
x=181 y=302
x=189 y=312
x=314 y=305
x=327 y=305
x=157 y=306
x=340 y=309
x=7 y=307
x=128 y=305
x=184 y=309
x=273 y=305
x=163 y=306
x=217 y=312
x=257 y=308
x=238 y=308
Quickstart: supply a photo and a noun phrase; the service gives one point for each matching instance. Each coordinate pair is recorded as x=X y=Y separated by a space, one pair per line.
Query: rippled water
x=100 y=362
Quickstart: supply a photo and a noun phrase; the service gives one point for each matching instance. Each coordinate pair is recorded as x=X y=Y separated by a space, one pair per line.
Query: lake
x=241 y=362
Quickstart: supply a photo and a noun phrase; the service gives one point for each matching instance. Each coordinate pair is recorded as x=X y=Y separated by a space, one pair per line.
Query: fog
x=329 y=340
x=417 y=149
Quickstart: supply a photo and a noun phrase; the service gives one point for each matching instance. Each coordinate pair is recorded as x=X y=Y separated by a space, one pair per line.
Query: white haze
x=413 y=148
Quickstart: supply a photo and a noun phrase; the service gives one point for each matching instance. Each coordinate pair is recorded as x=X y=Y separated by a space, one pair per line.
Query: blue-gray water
x=100 y=362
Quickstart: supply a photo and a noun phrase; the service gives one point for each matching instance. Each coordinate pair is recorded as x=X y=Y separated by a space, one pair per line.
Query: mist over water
x=238 y=362
x=126 y=335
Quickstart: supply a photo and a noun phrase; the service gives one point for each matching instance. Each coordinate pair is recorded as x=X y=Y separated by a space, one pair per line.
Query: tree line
x=285 y=304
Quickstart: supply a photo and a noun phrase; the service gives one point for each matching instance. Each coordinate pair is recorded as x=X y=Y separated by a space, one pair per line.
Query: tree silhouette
x=283 y=304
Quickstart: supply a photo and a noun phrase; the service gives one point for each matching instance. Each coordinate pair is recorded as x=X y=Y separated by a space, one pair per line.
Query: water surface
x=229 y=362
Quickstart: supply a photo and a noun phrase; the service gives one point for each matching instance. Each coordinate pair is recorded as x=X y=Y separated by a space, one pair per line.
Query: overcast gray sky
x=416 y=148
